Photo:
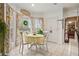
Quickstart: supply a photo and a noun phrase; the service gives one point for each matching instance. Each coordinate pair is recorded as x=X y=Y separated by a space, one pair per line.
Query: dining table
x=34 y=40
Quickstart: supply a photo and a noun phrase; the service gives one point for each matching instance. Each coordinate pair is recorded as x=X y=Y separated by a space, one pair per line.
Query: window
x=38 y=24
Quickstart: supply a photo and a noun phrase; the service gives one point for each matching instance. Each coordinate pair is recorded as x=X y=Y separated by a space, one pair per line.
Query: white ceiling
x=44 y=7
x=70 y=5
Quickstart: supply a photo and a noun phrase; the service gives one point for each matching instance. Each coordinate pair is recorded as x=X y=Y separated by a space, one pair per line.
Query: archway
x=70 y=27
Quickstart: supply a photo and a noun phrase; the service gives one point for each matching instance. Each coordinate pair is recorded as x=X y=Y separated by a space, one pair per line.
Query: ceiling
x=44 y=7
x=70 y=5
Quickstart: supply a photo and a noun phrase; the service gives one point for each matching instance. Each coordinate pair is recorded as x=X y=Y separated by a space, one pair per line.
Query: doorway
x=70 y=26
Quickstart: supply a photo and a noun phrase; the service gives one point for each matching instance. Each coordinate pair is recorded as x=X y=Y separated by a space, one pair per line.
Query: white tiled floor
x=54 y=49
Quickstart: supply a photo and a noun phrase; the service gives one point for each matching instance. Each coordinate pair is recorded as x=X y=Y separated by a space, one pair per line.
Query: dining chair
x=23 y=41
x=46 y=35
x=44 y=41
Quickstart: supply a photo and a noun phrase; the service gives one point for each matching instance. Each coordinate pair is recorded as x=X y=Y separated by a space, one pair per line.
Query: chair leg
x=40 y=46
x=46 y=47
x=22 y=49
x=36 y=48
x=27 y=46
x=31 y=46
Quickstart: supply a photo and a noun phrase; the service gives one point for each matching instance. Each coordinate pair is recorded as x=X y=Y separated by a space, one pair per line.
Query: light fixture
x=33 y=5
x=70 y=22
x=54 y=3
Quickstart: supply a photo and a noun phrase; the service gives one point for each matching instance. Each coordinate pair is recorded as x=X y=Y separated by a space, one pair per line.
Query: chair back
x=46 y=35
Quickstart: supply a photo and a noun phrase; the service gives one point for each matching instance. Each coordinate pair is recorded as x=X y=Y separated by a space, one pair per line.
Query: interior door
x=51 y=27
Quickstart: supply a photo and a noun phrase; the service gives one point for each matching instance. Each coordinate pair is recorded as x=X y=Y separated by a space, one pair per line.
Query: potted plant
x=40 y=31
x=3 y=31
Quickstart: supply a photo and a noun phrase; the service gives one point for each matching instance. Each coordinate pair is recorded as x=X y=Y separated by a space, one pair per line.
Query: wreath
x=25 y=22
